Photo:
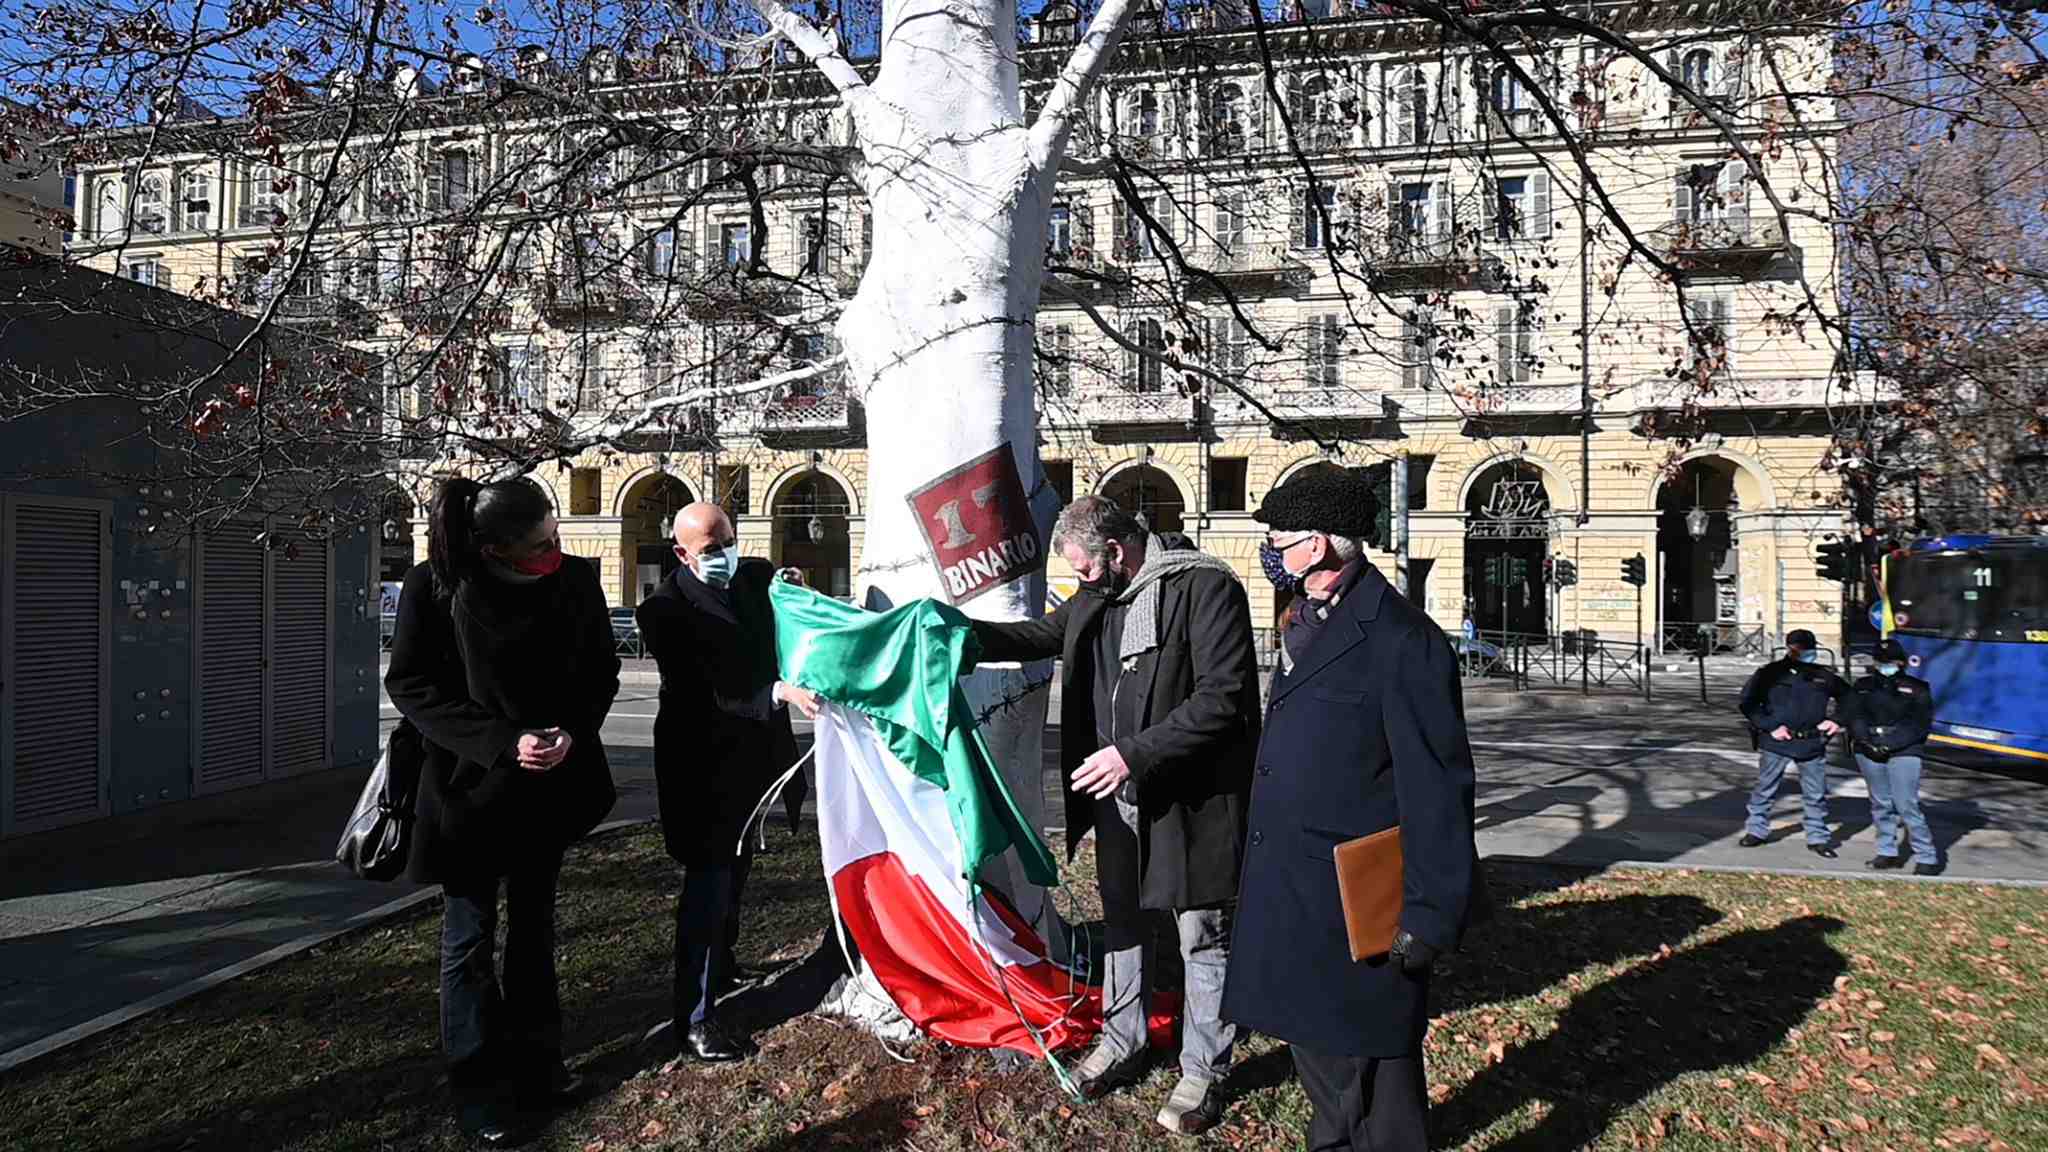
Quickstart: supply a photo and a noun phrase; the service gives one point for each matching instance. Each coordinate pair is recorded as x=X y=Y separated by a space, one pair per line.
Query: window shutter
x=1675 y=65
x=1538 y=224
x=686 y=253
x=1441 y=212
x=1333 y=354
x=1525 y=345
x=1504 y=343
x=1397 y=225
x=1083 y=217
x=437 y=183
x=867 y=239
x=1489 y=208
x=1724 y=320
x=1681 y=195
x=1120 y=227
x=1136 y=334
x=1490 y=121
x=1404 y=106
x=1257 y=99
x=1290 y=99
x=1444 y=105
x=1734 y=182
x=1297 y=218
x=1735 y=75
x=835 y=247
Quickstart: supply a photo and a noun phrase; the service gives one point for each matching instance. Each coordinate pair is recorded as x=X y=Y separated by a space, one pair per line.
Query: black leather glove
x=1414 y=956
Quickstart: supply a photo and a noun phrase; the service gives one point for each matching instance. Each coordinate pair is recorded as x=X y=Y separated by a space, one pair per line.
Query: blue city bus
x=1972 y=614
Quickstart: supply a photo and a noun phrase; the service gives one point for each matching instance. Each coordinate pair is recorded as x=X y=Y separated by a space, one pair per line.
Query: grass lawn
x=1622 y=1010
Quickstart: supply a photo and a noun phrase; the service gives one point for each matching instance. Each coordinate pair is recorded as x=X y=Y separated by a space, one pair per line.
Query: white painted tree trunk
x=938 y=340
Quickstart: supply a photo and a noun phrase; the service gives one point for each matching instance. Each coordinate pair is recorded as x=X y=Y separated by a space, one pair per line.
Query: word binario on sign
x=978 y=524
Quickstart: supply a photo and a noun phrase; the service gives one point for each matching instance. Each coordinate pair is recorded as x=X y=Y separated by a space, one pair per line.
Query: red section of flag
x=947 y=986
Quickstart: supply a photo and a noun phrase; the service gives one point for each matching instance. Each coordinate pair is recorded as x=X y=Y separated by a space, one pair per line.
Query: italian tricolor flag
x=909 y=808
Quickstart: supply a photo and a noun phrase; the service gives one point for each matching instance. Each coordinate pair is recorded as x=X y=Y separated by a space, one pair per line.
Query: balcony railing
x=1113 y=404
x=323 y=311
x=1738 y=392
x=1084 y=268
x=608 y=296
x=1305 y=401
x=819 y=407
x=1728 y=240
x=1248 y=261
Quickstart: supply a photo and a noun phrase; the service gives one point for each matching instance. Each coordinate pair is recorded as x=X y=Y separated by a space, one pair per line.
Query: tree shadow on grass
x=1521 y=950
x=1721 y=1004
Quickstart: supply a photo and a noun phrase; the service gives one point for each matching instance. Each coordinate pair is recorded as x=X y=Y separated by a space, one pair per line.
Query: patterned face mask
x=1276 y=571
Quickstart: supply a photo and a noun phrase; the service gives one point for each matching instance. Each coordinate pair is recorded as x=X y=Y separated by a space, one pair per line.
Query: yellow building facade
x=1539 y=385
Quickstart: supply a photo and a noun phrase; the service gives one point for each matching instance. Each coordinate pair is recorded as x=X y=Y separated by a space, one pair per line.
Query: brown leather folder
x=1369 y=883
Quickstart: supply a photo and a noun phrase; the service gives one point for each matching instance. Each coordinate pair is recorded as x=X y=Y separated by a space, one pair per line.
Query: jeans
x=1813 y=795
x=707 y=932
x=1895 y=800
x=1205 y=1039
x=501 y=1032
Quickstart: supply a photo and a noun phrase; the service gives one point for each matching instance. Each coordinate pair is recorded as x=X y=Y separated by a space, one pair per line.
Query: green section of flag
x=901 y=669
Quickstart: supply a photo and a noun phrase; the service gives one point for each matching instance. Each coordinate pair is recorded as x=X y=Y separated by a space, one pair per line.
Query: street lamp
x=1696 y=520
x=817 y=530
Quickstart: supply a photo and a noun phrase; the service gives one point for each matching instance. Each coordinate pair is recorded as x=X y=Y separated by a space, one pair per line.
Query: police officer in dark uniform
x=1889 y=715
x=1786 y=704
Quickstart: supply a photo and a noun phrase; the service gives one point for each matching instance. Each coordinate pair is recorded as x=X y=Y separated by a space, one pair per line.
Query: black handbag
x=375 y=843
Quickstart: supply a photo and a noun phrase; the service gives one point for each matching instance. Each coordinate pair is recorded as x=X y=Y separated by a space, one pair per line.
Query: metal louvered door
x=54 y=663
x=227 y=660
x=300 y=591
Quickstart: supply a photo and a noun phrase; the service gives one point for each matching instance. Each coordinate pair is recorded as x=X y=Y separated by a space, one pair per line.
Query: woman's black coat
x=472 y=672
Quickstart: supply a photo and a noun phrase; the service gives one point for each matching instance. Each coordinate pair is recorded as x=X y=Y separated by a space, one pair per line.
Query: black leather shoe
x=1824 y=851
x=1885 y=863
x=1929 y=869
x=709 y=1043
x=1749 y=841
x=487 y=1124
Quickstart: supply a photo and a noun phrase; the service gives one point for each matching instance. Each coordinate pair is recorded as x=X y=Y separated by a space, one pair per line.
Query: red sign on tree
x=978 y=525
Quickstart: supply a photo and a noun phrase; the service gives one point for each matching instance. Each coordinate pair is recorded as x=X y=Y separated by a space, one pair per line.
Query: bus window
x=2022 y=609
x=1951 y=595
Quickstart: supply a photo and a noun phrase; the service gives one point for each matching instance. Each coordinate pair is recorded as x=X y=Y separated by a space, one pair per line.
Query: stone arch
x=1136 y=475
x=1753 y=485
x=622 y=501
x=646 y=550
x=1556 y=483
x=810 y=527
x=791 y=475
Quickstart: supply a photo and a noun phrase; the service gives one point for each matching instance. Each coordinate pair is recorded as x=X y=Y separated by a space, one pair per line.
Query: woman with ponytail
x=502 y=657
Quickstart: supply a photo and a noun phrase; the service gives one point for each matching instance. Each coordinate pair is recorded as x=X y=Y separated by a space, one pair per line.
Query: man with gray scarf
x=1158 y=726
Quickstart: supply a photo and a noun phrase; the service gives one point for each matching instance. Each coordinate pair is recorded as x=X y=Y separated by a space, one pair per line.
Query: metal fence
x=1528 y=660
x=1691 y=636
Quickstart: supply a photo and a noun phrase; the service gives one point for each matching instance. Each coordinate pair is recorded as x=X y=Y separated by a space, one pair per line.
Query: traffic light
x=1549 y=570
x=1496 y=571
x=1518 y=570
x=1567 y=573
x=1837 y=561
x=1635 y=571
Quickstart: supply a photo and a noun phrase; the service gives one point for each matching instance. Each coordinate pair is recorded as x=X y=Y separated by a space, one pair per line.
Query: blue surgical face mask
x=1275 y=567
x=716 y=569
x=1808 y=657
x=1888 y=669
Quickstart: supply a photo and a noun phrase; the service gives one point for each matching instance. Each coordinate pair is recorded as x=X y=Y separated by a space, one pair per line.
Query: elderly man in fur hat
x=1364 y=731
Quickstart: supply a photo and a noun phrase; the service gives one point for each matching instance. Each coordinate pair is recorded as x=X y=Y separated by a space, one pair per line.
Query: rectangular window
x=737 y=242
x=1319 y=216
x=449 y=181
x=1412 y=217
x=1710 y=329
x=1230 y=345
x=151 y=217
x=824 y=245
x=658 y=370
x=148 y=271
x=265 y=196
x=585 y=486
x=1227 y=483
x=1059 y=476
x=1418 y=482
x=1418 y=348
x=1062 y=356
x=1514 y=346
x=195 y=200
x=1059 y=231
x=1326 y=350
x=1230 y=222
x=735 y=492
x=390 y=193
x=525 y=381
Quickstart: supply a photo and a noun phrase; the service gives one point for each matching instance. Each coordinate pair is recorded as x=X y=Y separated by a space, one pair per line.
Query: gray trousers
x=1205 y=1039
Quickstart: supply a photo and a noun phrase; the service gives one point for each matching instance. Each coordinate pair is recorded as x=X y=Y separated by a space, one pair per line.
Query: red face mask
x=543 y=563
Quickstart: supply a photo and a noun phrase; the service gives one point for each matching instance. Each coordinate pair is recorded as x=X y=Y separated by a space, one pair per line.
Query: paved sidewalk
x=97 y=918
